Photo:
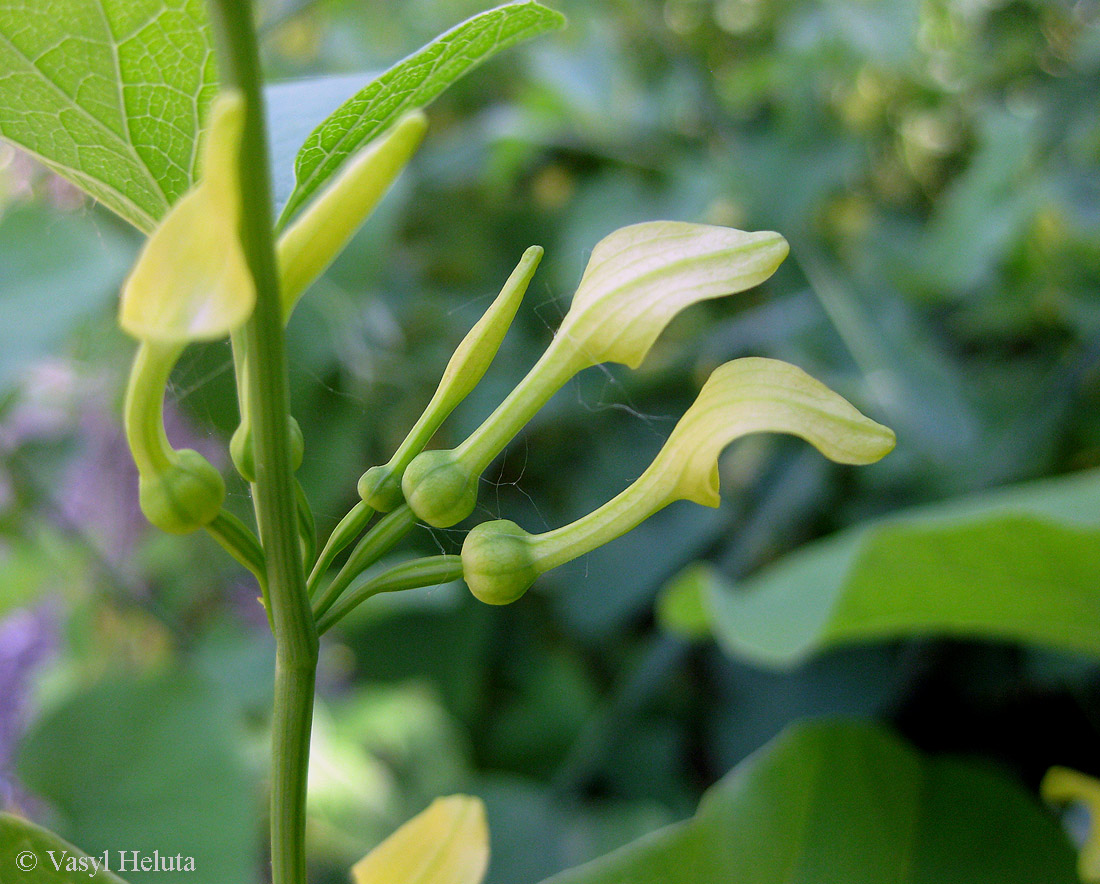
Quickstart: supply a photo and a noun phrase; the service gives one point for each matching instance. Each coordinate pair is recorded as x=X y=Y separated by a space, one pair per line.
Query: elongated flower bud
x=320 y=233
x=500 y=560
x=637 y=280
x=191 y=281
x=381 y=486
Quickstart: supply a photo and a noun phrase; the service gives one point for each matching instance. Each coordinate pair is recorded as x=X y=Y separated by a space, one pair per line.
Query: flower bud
x=496 y=562
x=186 y=496
x=380 y=487
x=242 y=448
x=320 y=233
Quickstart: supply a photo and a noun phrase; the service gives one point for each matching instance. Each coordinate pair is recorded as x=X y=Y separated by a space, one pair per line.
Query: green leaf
x=848 y=803
x=109 y=94
x=411 y=84
x=1019 y=564
x=149 y=764
x=38 y=856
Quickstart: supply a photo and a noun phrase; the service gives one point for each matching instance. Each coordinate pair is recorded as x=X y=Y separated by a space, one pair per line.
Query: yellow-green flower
x=192 y=281
x=500 y=560
x=637 y=280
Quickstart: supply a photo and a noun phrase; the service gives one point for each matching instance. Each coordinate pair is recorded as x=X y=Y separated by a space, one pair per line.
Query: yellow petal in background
x=446 y=844
x=191 y=281
x=1064 y=786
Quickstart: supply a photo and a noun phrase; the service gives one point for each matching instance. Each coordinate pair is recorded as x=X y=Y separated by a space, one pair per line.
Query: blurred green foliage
x=936 y=168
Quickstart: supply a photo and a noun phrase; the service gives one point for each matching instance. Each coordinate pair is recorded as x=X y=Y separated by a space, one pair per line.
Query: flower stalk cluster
x=637 y=280
x=197 y=280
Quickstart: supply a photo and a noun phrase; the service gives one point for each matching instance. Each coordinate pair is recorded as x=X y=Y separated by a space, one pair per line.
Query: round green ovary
x=497 y=563
x=380 y=489
x=241 y=449
x=185 y=497
x=439 y=489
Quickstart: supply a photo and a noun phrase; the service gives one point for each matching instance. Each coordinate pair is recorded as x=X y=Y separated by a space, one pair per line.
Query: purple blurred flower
x=27 y=640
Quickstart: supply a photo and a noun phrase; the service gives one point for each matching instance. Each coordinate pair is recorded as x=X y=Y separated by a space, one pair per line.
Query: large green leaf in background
x=1020 y=564
x=20 y=838
x=848 y=803
x=46 y=292
x=410 y=84
x=109 y=94
x=149 y=764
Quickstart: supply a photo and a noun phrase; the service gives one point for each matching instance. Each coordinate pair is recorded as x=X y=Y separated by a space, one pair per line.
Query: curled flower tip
x=756 y=395
x=191 y=281
x=500 y=559
x=320 y=233
x=380 y=487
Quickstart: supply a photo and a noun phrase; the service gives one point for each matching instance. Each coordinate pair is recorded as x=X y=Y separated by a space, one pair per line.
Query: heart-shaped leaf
x=109 y=94
x=1017 y=564
x=38 y=856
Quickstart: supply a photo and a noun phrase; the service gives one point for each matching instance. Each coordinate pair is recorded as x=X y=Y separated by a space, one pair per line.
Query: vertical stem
x=268 y=405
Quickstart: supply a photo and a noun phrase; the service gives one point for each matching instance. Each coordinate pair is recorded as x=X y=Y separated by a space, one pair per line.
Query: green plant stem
x=237 y=539
x=409 y=575
x=268 y=403
x=349 y=527
x=378 y=541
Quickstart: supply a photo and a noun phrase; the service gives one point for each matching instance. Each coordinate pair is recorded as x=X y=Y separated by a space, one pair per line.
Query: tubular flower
x=500 y=560
x=191 y=283
x=637 y=280
x=380 y=487
x=179 y=491
x=320 y=233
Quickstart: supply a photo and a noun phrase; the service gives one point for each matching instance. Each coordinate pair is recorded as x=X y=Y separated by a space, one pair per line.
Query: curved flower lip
x=742 y=397
x=641 y=276
x=757 y=395
x=192 y=281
